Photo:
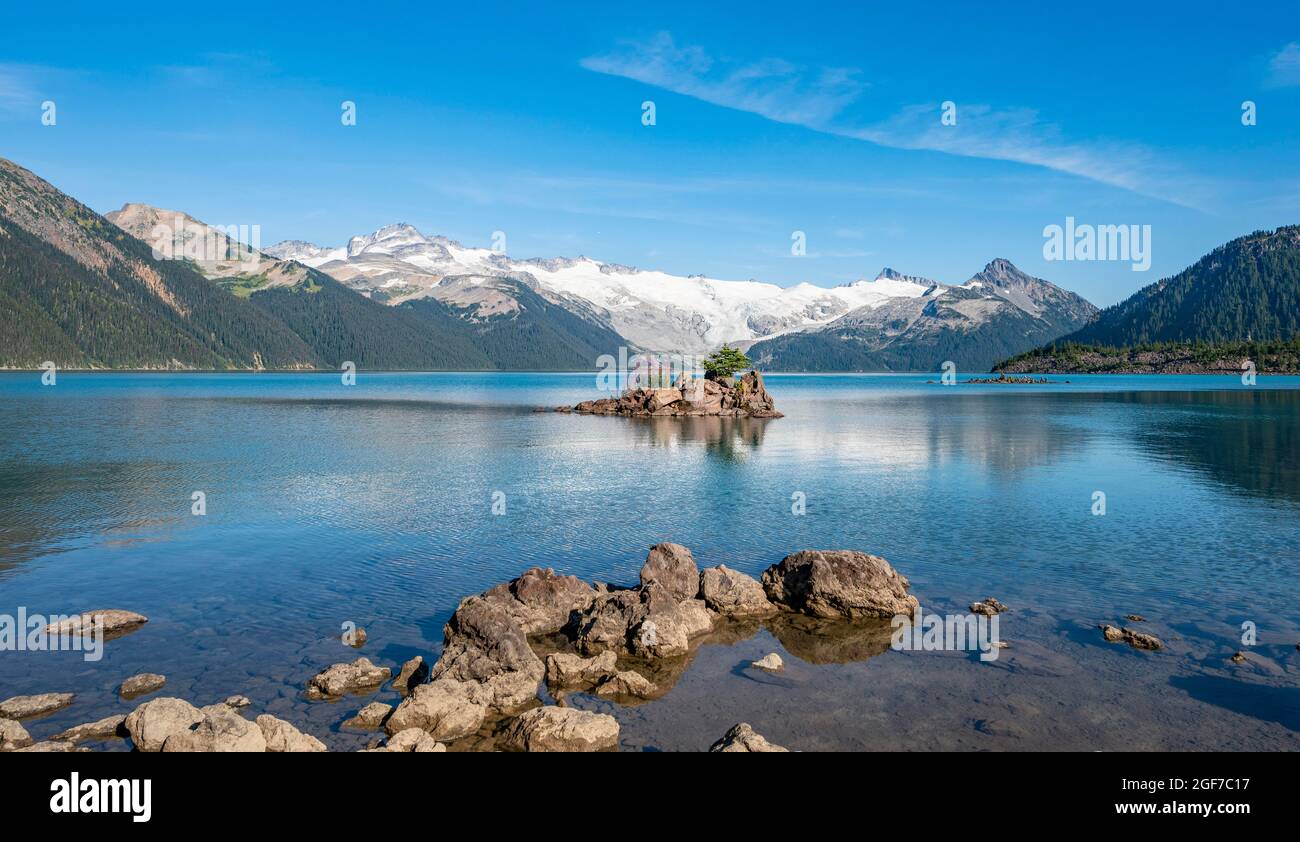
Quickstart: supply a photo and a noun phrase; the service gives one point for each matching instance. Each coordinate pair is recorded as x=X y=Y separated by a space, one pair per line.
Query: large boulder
x=360 y=676
x=280 y=736
x=484 y=645
x=838 y=583
x=446 y=708
x=733 y=594
x=152 y=723
x=13 y=735
x=221 y=729
x=742 y=737
x=561 y=729
x=540 y=601
x=647 y=621
x=25 y=707
x=672 y=566
x=566 y=670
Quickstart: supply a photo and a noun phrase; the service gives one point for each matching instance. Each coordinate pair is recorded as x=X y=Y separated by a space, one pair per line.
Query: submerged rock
x=733 y=594
x=359 y=676
x=138 y=685
x=770 y=661
x=152 y=723
x=565 y=670
x=1138 y=640
x=26 y=707
x=102 y=729
x=838 y=583
x=13 y=735
x=742 y=737
x=280 y=736
x=561 y=729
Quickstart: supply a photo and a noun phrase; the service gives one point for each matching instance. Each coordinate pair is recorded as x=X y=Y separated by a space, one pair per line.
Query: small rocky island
x=715 y=394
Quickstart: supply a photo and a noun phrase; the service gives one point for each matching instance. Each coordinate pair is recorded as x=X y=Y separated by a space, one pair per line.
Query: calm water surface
x=373 y=504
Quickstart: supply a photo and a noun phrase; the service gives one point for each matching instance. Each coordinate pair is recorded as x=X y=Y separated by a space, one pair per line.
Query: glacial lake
x=374 y=504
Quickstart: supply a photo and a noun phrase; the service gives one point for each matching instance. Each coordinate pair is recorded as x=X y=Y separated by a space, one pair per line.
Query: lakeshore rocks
x=1138 y=640
x=988 y=607
x=413 y=672
x=139 y=685
x=447 y=709
x=412 y=740
x=357 y=677
x=541 y=602
x=561 y=729
x=484 y=645
x=116 y=621
x=13 y=735
x=369 y=717
x=690 y=396
x=742 y=737
x=838 y=583
x=282 y=737
x=770 y=661
x=151 y=724
x=221 y=729
x=237 y=702
x=26 y=707
x=672 y=566
x=627 y=683
x=50 y=746
x=101 y=729
x=566 y=670
x=645 y=621
x=733 y=594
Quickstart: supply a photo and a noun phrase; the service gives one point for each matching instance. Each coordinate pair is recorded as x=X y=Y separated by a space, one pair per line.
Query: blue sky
x=769 y=120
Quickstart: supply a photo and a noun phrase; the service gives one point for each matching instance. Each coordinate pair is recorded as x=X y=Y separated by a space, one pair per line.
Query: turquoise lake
x=374 y=504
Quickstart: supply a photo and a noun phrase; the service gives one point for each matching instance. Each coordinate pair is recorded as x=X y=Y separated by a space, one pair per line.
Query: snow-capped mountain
x=653 y=310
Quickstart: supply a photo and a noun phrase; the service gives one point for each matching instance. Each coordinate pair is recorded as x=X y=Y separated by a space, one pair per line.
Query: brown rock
x=733 y=594
x=1137 y=640
x=672 y=566
x=484 y=645
x=115 y=622
x=13 y=735
x=138 y=685
x=413 y=740
x=742 y=737
x=221 y=729
x=370 y=716
x=282 y=737
x=626 y=683
x=838 y=583
x=564 y=670
x=989 y=607
x=26 y=707
x=152 y=723
x=446 y=708
x=109 y=726
x=413 y=672
x=360 y=676
x=553 y=728
x=539 y=601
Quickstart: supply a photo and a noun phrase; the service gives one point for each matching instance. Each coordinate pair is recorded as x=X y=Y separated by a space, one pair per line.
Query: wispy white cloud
x=818 y=99
x=1284 y=66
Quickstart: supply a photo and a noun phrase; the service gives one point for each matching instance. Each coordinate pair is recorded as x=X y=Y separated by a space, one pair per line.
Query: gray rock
x=647 y=621
x=138 y=685
x=541 y=602
x=672 y=566
x=627 y=683
x=13 y=735
x=565 y=670
x=152 y=723
x=412 y=739
x=838 y=583
x=25 y=707
x=236 y=702
x=115 y=622
x=282 y=737
x=483 y=644
x=102 y=729
x=357 y=677
x=553 y=728
x=742 y=737
x=733 y=594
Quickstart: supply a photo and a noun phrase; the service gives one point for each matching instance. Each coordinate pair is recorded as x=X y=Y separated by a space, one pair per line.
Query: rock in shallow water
x=138 y=685
x=733 y=594
x=25 y=707
x=627 y=683
x=413 y=672
x=282 y=737
x=561 y=729
x=13 y=735
x=770 y=661
x=102 y=729
x=1138 y=640
x=115 y=621
x=370 y=716
x=838 y=583
x=742 y=737
x=672 y=566
x=565 y=670
x=359 y=676
x=152 y=723
x=447 y=709
x=988 y=607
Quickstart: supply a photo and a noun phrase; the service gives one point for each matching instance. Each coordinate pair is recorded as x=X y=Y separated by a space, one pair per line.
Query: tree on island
x=724 y=364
